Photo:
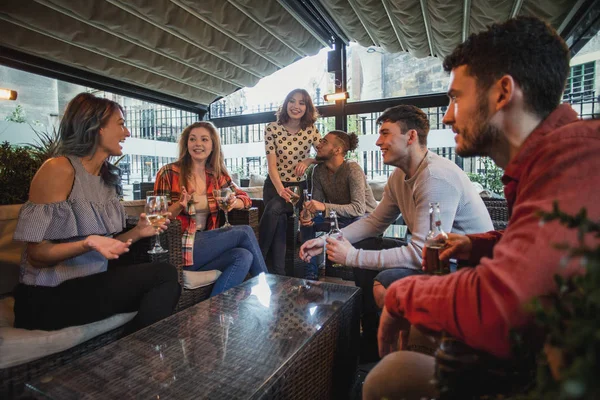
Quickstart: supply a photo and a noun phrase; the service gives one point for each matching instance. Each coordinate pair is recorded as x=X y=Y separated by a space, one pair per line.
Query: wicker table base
x=272 y=337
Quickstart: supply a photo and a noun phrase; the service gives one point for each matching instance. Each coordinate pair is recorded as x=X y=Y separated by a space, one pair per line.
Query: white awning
x=202 y=50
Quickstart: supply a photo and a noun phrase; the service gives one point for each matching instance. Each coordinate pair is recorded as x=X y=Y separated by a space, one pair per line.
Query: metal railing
x=156 y=122
x=162 y=123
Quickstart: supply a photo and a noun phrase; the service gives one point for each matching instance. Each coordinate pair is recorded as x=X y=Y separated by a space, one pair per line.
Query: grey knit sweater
x=346 y=191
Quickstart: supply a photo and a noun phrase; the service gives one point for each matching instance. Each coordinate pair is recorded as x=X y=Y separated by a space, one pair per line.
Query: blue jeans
x=320 y=224
x=389 y=276
x=233 y=251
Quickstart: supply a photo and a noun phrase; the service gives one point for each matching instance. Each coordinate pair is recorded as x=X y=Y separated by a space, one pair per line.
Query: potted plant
x=488 y=176
x=18 y=165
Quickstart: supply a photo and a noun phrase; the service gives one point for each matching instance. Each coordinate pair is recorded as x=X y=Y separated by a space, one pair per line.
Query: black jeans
x=150 y=289
x=273 y=225
x=364 y=279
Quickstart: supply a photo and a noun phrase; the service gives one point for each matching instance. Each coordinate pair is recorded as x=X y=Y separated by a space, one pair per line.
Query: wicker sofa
x=13 y=378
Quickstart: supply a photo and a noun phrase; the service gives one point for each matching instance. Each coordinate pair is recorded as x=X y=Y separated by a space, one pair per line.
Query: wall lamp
x=7 y=94
x=336 y=96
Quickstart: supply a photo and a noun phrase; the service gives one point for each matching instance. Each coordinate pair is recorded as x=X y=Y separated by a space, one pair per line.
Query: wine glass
x=295 y=198
x=157 y=208
x=222 y=197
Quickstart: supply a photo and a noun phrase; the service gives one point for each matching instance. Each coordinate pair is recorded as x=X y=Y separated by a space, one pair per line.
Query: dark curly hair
x=409 y=117
x=309 y=117
x=526 y=48
x=350 y=140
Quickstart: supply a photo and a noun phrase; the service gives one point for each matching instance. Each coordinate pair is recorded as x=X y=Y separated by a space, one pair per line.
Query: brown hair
x=526 y=48
x=408 y=117
x=309 y=117
x=215 y=161
x=349 y=140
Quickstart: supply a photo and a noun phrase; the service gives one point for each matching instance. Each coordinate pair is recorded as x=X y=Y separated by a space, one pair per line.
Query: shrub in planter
x=18 y=165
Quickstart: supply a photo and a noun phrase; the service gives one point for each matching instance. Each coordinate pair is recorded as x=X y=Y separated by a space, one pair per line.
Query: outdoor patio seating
x=498 y=210
x=272 y=337
x=61 y=347
x=95 y=335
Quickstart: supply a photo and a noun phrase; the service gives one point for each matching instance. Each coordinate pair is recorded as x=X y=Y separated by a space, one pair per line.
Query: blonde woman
x=191 y=180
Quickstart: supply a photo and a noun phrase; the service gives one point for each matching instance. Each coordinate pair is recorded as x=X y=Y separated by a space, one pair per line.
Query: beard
x=325 y=157
x=481 y=137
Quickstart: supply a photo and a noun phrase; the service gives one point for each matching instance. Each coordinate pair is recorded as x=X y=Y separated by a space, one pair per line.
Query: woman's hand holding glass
x=146 y=229
x=294 y=198
x=286 y=194
x=157 y=213
x=223 y=197
x=234 y=203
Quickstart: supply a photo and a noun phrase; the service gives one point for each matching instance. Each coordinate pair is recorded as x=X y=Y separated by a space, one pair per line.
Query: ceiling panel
x=199 y=51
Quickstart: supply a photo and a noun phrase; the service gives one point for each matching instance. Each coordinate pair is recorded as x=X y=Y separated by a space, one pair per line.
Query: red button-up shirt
x=559 y=161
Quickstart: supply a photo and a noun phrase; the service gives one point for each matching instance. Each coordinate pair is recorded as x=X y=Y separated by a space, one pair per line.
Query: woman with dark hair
x=72 y=224
x=191 y=180
x=287 y=145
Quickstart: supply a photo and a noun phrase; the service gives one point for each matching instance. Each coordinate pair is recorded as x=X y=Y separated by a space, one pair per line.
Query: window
x=581 y=82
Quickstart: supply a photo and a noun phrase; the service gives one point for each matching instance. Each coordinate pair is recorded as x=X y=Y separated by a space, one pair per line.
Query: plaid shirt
x=167 y=181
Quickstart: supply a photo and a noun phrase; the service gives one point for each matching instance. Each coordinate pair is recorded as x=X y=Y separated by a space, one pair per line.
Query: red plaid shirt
x=167 y=181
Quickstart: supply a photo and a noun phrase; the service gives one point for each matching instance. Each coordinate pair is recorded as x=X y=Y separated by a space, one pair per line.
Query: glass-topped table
x=272 y=336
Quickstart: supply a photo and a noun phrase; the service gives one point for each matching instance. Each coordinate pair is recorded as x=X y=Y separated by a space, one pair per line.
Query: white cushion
x=18 y=346
x=377 y=186
x=254 y=192
x=256 y=180
x=235 y=178
x=197 y=279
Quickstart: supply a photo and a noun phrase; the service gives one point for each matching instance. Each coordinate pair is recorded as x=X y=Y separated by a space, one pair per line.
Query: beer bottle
x=334 y=231
x=305 y=214
x=435 y=242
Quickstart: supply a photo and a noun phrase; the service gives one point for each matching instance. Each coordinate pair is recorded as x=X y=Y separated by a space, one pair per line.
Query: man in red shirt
x=505 y=91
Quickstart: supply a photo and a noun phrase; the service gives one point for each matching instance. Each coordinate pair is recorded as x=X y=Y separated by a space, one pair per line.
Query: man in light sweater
x=421 y=177
x=337 y=185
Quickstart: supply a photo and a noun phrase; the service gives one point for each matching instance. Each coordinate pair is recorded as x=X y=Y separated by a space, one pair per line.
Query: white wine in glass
x=157 y=208
x=222 y=196
x=295 y=197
